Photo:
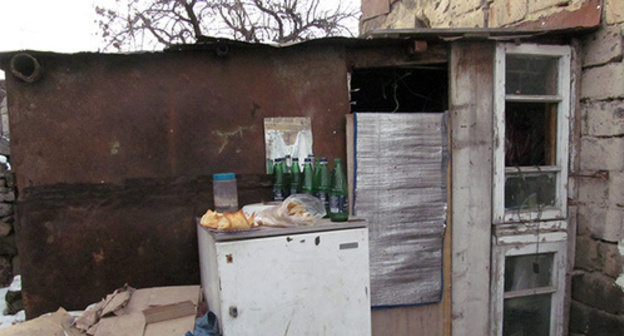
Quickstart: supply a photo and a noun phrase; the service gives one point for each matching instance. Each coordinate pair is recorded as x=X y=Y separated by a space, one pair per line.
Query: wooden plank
x=471 y=104
x=533 y=98
x=408 y=321
x=447 y=254
x=530 y=291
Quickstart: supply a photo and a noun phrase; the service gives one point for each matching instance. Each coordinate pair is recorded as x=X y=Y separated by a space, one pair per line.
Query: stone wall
x=461 y=13
x=597 y=296
x=597 y=305
x=9 y=263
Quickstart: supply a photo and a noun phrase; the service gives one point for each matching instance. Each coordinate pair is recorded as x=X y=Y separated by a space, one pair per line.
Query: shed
x=113 y=152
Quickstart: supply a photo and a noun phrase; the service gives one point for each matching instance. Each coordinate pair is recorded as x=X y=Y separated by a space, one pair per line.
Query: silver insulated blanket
x=400 y=188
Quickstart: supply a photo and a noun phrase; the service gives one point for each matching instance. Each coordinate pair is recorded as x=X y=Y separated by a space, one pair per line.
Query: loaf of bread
x=227 y=221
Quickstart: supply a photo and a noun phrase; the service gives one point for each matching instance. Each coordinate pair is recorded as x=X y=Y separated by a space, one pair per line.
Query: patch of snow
x=16 y=284
x=5 y=319
x=620 y=279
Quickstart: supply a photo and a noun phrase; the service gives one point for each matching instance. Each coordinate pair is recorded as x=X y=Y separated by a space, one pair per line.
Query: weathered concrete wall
x=597 y=305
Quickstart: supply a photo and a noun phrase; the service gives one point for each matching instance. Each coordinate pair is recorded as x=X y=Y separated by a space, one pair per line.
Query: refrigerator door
x=302 y=284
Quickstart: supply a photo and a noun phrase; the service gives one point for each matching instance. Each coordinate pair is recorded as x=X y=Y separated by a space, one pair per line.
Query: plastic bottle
x=307 y=181
x=338 y=194
x=295 y=177
x=224 y=192
x=322 y=183
x=278 y=181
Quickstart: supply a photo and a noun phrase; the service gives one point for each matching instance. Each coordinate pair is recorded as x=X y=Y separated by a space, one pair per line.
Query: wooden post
x=471 y=110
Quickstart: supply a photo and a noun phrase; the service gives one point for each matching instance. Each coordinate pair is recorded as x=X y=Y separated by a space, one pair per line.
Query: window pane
x=526 y=316
x=528 y=271
x=530 y=190
x=530 y=134
x=531 y=75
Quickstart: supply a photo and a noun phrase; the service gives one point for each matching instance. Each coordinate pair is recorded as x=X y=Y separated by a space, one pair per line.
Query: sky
x=50 y=25
x=47 y=25
x=54 y=25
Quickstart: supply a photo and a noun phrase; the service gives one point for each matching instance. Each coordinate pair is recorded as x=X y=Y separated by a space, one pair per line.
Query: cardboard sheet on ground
x=168 y=310
x=54 y=324
x=131 y=319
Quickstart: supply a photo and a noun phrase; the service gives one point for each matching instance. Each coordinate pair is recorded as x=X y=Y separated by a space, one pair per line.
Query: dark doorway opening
x=404 y=89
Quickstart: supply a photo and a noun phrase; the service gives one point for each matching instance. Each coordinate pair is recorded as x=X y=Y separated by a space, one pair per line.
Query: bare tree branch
x=152 y=24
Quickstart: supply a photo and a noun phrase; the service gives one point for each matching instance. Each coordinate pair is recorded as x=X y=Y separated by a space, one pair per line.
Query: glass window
x=528 y=271
x=531 y=75
x=526 y=190
x=529 y=315
x=530 y=134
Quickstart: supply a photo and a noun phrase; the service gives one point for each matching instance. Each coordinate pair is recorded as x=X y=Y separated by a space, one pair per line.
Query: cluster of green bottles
x=315 y=180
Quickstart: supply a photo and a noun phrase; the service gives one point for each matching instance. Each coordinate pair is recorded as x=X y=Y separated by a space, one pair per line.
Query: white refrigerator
x=295 y=281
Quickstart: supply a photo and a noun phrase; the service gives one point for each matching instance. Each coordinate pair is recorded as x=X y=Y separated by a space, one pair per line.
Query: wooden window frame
x=527 y=245
x=562 y=99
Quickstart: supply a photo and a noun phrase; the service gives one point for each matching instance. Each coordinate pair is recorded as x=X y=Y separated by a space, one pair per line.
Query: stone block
x=616 y=185
x=538 y=5
x=602 y=118
x=9 y=176
x=601 y=223
x=593 y=191
x=611 y=259
x=598 y=291
x=5 y=228
x=438 y=13
x=603 y=82
x=579 y=317
x=603 y=46
x=6 y=272
x=464 y=6
x=7 y=197
x=6 y=209
x=474 y=19
x=601 y=153
x=585 y=320
x=602 y=323
x=614 y=11
x=506 y=12
x=587 y=256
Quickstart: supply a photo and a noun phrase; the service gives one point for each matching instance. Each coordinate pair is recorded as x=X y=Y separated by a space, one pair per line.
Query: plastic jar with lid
x=224 y=192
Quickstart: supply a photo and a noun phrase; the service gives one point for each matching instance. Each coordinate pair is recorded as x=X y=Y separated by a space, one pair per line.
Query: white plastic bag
x=295 y=210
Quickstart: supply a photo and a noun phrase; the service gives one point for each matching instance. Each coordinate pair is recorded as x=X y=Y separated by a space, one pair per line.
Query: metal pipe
x=26 y=67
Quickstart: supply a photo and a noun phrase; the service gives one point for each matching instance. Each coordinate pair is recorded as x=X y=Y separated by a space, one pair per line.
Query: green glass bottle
x=295 y=177
x=338 y=194
x=278 y=181
x=286 y=187
x=322 y=183
x=312 y=161
x=307 y=180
